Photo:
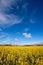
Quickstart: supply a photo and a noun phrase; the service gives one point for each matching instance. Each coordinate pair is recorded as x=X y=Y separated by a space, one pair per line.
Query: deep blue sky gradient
x=31 y=13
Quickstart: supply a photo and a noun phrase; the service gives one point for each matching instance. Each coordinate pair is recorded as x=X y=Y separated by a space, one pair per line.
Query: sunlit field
x=21 y=55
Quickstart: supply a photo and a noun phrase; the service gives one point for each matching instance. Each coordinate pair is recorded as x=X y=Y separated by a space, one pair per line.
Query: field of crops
x=21 y=55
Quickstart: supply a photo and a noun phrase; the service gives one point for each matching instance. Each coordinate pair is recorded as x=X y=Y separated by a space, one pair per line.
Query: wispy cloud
x=26 y=29
x=32 y=21
x=8 y=19
x=33 y=18
x=3 y=34
x=7 y=40
x=25 y=5
x=7 y=3
x=16 y=39
x=27 y=35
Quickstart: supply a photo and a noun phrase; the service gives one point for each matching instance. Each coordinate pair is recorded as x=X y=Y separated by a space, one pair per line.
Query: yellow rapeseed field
x=21 y=55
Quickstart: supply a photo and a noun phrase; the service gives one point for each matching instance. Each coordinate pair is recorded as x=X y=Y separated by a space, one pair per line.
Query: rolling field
x=21 y=55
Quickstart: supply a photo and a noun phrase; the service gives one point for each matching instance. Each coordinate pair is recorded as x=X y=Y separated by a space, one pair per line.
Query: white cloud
x=7 y=40
x=26 y=35
x=7 y=3
x=8 y=20
x=4 y=4
x=3 y=34
x=16 y=39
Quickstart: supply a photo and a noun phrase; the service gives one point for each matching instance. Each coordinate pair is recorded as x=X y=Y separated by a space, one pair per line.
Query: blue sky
x=21 y=21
